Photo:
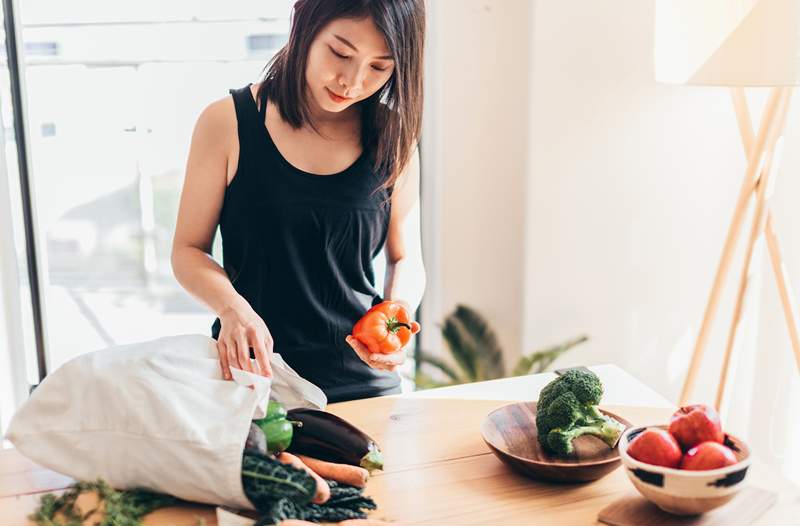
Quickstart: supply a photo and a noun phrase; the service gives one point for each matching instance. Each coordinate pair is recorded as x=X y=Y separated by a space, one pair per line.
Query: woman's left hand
x=380 y=336
x=383 y=362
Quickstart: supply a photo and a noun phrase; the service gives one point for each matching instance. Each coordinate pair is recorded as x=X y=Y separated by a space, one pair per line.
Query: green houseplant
x=477 y=354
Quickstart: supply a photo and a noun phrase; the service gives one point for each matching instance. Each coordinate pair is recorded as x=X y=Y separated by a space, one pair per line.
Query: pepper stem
x=295 y=423
x=392 y=325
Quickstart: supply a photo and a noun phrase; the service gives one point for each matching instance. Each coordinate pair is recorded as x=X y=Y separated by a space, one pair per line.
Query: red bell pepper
x=385 y=328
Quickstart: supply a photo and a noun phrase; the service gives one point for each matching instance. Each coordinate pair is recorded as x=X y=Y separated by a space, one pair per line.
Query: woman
x=309 y=175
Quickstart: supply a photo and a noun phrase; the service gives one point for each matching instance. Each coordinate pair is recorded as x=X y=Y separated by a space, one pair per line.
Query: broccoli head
x=567 y=409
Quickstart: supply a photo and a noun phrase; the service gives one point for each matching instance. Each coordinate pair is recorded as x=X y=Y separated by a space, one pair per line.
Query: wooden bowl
x=683 y=492
x=510 y=432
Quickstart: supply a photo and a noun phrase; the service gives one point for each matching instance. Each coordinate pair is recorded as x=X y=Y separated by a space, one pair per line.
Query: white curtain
x=767 y=372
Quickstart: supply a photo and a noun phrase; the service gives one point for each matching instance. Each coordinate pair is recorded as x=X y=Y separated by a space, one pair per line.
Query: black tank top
x=299 y=248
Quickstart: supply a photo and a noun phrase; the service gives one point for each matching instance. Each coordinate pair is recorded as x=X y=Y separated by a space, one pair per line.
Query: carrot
x=344 y=473
x=295 y=522
x=323 y=490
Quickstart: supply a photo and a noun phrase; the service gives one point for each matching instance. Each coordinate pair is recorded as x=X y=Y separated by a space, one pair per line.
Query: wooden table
x=438 y=471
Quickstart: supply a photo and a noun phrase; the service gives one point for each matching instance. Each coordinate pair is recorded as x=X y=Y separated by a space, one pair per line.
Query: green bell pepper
x=277 y=429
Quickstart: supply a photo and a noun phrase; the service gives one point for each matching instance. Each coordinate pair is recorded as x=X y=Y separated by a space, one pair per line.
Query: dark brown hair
x=391 y=118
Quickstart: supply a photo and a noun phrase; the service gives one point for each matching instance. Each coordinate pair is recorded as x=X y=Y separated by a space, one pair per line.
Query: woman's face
x=347 y=62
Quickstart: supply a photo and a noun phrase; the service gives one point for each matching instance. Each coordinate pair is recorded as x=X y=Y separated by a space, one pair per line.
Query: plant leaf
x=423 y=381
x=424 y=357
x=539 y=361
x=478 y=343
x=452 y=332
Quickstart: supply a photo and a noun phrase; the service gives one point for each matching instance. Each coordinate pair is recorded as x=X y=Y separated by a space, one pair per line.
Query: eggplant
x=256 y=440
x=327 y=437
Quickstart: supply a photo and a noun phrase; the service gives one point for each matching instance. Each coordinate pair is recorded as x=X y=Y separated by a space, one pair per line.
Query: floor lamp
x=737 y=44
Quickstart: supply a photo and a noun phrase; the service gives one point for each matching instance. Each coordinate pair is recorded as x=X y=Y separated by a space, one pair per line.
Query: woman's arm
x=200 y=206
x=214 y=137
x=405 y=271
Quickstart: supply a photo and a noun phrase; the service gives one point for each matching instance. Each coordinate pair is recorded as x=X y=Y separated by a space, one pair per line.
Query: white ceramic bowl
x=684 y=492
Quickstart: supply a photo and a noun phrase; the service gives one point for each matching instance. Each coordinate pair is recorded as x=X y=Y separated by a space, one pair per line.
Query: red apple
x=708 y=455
x=693 y=424
x=656 y=446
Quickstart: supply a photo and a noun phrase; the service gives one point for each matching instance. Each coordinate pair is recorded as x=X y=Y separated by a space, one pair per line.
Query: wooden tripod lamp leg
x=789 y=308
x=779 y=269
x=748 y=184
x=757 y=228
x=743 y=119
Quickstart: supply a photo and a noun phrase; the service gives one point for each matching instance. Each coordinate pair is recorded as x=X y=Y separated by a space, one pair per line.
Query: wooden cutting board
x=633 y=510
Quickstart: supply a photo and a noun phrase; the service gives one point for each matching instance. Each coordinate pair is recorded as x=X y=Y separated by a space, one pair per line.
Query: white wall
x=578 y=195
x=632 y=185
x=475 y=146
x=632 y=188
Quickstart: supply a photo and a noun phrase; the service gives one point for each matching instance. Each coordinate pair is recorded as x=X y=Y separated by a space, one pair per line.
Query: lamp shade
x=728 y=42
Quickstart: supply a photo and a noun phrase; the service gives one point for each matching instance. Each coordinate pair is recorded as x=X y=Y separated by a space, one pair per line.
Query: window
x=265 y=43
x=112 y=98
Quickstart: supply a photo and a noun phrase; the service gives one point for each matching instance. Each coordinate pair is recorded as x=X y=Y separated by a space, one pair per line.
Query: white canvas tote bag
x=157 y=415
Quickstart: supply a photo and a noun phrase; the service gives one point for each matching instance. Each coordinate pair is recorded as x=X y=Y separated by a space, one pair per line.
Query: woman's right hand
x=242 y=329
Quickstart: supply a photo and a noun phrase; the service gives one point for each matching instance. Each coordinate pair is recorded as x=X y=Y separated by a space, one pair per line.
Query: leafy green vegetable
x=120 y=508
x=266 y=480
x=337 y=509
x=280 y=492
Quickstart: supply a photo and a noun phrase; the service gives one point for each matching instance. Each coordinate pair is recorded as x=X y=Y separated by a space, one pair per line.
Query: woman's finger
x=385 y=367
x=243 y=352
x=363 y=352
x=358 y=348
x=262 y=357
x=233 y=354
x=223 y=360
x=357 y=345
x=395 y=358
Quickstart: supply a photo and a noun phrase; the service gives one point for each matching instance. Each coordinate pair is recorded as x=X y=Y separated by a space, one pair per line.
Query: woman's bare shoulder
x=223 y=109
x=220 y=115
x=217 y=126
